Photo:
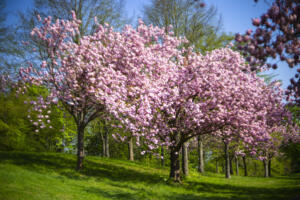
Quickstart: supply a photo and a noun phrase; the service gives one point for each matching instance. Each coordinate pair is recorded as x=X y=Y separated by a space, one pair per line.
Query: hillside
x=32 y=176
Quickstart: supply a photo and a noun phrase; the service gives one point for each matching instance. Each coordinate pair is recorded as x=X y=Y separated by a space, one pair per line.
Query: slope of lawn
x=46 y=176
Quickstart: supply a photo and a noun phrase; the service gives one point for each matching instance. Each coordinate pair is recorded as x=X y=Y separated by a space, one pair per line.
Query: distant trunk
x=103 y=146
x=175 y=165
x=106 y=139
x=185 y=159
x=80 y=146
x=236 y=165
x=269 y=165
x=217 y=165
x=162 y=154
x=130 y=149
x=266 y=168
x=245 y=166
x=200 y=155
x=230 y=164
x=227 y=160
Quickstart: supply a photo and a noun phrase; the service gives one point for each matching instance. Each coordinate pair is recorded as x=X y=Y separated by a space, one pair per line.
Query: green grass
x=46 y=176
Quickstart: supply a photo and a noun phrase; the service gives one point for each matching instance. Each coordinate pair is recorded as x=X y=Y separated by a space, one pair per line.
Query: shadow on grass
x=244 y=192
x=64 y=165
x=137 y=194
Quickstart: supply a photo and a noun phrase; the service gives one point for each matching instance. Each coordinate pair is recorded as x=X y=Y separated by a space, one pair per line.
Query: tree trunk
x=185 y=159
x=200 y=155
x=80 y=146
x=130 y=149
x=230 y=164
x=245 y=166
x=269 y=166
x=106 y=139
x=103 y=145
x=162 y=156
x=175 y=166
x=266 y=168
x=227 y=160
x=217 y=165
x=236 y=165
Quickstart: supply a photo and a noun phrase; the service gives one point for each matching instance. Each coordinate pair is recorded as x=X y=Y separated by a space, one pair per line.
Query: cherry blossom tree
x=202 y=95
x=76 y=75
x=276 y=36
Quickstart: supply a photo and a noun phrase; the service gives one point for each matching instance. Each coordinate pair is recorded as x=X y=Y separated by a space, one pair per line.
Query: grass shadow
x=244 y=192
x=137 y=194
x=65 y=165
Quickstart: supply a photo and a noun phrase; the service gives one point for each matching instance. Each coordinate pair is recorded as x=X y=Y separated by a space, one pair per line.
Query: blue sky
x=236 y=15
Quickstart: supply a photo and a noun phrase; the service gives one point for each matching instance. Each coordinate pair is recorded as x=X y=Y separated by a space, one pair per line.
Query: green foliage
x=52 y=176
x=292 y=150
x=268 y=77
x=95 y=138
x=280 y=165
x=13 y=122
x=17 y=132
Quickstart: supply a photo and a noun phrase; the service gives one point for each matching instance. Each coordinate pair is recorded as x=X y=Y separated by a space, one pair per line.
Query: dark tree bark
x=217 y=165
x=80 y=146
x=245 y=166
x=230 y=164
x=174 y=158
x=130 y=149
x=227 y=160
x=162 y=154
x=266 y=168
x=200 y=155
x=236 y=165
x=185 y=159
x=175 y=165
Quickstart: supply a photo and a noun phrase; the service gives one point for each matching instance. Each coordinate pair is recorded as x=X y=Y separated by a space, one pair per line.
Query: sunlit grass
x=52 y=176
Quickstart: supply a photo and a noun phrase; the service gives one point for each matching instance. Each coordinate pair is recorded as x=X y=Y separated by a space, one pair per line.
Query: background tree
x=200 y=153
x=191 y=19
x=123 y=135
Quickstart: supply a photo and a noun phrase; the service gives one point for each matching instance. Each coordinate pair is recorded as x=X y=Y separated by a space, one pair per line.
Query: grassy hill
x=31 y=176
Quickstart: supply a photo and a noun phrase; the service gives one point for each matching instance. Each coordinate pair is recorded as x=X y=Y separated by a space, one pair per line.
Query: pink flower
x=256 y=21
